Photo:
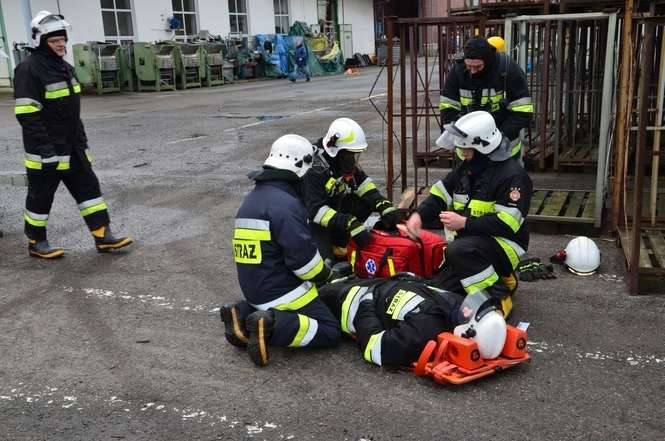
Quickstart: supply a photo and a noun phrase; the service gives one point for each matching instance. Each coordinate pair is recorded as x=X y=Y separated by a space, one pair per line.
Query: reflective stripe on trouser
x=473 y=263
x=82 y=185
x=372 y=351
x=312 y=325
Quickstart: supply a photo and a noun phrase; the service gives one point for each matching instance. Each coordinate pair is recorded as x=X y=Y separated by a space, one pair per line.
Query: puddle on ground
x=270 y=117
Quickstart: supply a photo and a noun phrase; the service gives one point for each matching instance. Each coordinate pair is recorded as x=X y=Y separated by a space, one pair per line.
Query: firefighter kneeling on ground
x=56 y=148
x=339 y=195
x=277 y=261
x=485 y=201
x=393 y=319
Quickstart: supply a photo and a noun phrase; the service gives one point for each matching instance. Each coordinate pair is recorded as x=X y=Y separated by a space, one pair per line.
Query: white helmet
x=44 y=23
x=481 y=322
x=475 y=130
x=291 y=152
x=582 y=256
x=344 y=134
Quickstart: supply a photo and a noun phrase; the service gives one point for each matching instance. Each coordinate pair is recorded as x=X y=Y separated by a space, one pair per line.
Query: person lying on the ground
x=393 y=319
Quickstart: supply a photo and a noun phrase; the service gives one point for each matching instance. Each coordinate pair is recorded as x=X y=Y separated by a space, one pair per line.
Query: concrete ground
x=128 y=346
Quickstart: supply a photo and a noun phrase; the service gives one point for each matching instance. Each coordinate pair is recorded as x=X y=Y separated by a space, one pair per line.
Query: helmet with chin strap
x=481 y=322
x=344 y=134
x=291 y=152
x=45 y=23
x=476 y=130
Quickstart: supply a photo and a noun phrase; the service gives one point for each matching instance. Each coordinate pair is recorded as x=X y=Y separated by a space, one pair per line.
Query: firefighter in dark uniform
x=393 y=319
x=486 y=80
x=278 y=263
x=485 y=201
x=56 y=148
x=339 y=195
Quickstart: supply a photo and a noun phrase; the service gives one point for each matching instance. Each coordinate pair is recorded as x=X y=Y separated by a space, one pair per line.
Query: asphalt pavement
x=129 y=346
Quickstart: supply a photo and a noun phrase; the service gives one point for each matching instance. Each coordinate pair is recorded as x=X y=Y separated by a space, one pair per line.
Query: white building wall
x=150 y=18
x=303 y=10
x=360 y=15
x=261 y=16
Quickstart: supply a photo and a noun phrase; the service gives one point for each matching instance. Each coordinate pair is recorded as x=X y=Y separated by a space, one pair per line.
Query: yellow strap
x=391 y=267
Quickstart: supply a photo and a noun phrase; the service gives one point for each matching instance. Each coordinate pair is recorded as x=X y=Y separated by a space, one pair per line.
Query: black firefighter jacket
x=495 y=198
x=398 y=317
x=48 y=108
x=500 y=89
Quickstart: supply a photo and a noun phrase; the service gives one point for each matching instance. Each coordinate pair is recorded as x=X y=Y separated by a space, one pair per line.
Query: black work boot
x=260 y=326
x=105 y=241
x=41 y=249
x=233 y=331
x=503 y=296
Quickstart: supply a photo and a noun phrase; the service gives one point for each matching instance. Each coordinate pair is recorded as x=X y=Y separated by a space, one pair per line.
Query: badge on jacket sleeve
x=515 y=194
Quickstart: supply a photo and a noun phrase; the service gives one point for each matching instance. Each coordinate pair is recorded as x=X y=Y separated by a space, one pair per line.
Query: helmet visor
x=474 y=307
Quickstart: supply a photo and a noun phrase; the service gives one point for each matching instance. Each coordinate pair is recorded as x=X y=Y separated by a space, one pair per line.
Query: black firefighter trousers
x=82 y=184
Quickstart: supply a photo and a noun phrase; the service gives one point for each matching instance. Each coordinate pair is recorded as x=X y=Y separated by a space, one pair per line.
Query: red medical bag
x=392 y=252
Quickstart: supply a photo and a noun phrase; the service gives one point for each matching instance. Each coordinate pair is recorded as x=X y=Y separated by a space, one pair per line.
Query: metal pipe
x=622 y=113
x=544 y=95
x=605 y=116
x=656 y=137
x=389 y=110
x=645 y=83
x=402 y=101
x=567 y=17
x=413 y=71
x=559 y=93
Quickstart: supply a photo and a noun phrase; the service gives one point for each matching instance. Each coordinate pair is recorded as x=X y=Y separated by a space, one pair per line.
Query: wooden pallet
x=651 y=271
x=568 y=206
x=437 y=159
x=579 y=156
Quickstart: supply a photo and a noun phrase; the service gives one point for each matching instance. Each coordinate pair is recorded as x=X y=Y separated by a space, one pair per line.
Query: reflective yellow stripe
x=398 y=302
x=22 y=110
x=94 y=209
x=349 y=138
x=62 y=166
x=516 y=149
x=528 y=108
x=51 y=95
x=77 y=88
x=366 y=186
x=480 y=208
x=35 y=222
x=391 y=266
x=482 y=284
x=33 y=165
x=465 y=101
x=346 y=307
x=372 y=353
x=439 y=190
x=458 y=206
x=301 y=301
x=458 y=152
x=353 y=259
x=88 y=155
x=444 y=106
x=247 y=234
x=510 y=252
x=326 y=217
x=313 y=272
x=330 y=185
x=509 y=220
x=302 y=331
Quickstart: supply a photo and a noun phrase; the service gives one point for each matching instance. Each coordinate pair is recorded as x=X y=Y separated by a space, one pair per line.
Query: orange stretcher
x=456 y=360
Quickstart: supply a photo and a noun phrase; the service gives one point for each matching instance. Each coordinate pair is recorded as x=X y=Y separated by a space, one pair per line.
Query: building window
x=117 y=18
x=238 y=17
x=281 y=16
x=185 y=12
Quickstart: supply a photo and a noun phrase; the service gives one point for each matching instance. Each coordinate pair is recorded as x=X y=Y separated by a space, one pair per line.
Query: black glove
x=532 y=269
x=390 y=219
x=342 y=269
x=362 y=237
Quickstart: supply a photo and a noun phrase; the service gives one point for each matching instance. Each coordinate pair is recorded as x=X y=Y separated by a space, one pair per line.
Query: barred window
x=118 y=22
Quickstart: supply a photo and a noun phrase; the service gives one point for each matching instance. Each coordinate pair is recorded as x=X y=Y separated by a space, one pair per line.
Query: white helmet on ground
x=475 y=130
x=481 y=322
x=46 y=23
x=291 y=152
x=582 y=256
x=344 y=134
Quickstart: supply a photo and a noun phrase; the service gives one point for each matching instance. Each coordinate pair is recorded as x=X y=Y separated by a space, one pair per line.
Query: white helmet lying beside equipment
x=480 y=321
x=582 y=256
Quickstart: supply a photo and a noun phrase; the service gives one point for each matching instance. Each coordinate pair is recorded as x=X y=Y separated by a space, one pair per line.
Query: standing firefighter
x=56 y=148
x=485 y=200
x=339 y=195
x=485 y=80
x=278 y=263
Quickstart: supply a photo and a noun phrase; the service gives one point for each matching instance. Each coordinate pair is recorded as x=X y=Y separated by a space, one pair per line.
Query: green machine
x=190 y=61
x=214 y=66
x=101 y=66
x=155 y=66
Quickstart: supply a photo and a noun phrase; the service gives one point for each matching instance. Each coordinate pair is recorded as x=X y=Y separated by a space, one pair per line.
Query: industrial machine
x=155 y=66
x=100 y=66
x=214 y=65
x=190 y=63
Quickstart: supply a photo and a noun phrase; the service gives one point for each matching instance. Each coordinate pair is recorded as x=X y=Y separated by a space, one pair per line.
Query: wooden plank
x=590 y=206
x=657 y=246
x=537 y=200
x=645 y=261
x=574 y=204
x=554 y=203
x=407 y=198
x=582 y=154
